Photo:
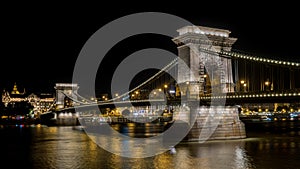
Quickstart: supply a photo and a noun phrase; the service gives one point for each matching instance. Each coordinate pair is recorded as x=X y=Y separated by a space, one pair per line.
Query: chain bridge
x=219 y=75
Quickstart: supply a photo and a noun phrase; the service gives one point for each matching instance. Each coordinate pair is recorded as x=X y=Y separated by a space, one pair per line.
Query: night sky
x=40 y=43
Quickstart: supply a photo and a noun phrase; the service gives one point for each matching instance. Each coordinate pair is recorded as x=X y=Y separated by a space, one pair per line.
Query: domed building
x=16 y=102
x=15 y=90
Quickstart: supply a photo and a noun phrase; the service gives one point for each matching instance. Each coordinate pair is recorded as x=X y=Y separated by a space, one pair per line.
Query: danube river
x=45 y=147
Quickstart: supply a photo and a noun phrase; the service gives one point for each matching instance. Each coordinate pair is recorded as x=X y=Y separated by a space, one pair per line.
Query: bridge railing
x=259 y=94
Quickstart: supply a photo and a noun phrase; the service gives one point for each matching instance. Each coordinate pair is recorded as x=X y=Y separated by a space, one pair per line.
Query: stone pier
x=217 y=123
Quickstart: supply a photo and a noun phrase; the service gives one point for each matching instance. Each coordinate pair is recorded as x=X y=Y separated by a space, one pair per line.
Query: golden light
x=159 y=89
x=103 y=97
x=267 y=83
x=187 y=83
x=204 y=76
x=116 y=94
x=242 y=81
x=132 y=95
x=136 y=92
x=245 y=85
x=165 y=86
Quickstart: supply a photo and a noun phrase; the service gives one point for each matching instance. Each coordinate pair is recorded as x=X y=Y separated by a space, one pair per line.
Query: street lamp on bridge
x=204 y=83
x=244 y=84
x=267 y=84
x=165 y=90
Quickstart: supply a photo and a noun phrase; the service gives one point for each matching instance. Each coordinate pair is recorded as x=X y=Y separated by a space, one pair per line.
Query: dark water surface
x=45 y=147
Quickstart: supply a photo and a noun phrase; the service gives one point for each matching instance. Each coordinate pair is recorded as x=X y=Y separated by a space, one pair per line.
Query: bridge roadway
x=112 y=104
x=205 y=100
x=253 y=97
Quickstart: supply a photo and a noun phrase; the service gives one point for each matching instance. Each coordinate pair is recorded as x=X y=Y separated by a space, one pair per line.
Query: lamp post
x=245 y=87
x=137 y=94
x=204 y=83
x=267 y=84
x=165 y=86
x=243 y=83
x=165 y=90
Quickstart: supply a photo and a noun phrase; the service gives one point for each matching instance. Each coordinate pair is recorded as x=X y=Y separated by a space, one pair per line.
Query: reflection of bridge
x=217 y=75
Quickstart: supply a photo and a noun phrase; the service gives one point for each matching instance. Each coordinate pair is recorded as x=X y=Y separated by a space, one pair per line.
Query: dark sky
x=40 y=42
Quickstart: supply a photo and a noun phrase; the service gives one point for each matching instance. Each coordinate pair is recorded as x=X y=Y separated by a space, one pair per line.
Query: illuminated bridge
x=256 y=80
x=217 y=75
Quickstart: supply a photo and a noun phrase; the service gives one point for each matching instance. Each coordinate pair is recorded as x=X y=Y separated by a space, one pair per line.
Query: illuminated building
x=40 y=103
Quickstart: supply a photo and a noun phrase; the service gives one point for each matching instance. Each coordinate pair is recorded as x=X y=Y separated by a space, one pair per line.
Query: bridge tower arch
x=200 y=37
x=63 y=89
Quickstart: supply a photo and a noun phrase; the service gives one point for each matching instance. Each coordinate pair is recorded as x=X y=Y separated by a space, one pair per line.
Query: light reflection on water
x=64 y=147
x=216 y=154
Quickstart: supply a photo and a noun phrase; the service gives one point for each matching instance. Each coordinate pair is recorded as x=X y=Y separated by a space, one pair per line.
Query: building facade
x=39 y=103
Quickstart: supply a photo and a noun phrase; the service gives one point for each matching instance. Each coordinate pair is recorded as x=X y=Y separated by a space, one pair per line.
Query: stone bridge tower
x=63 y=89
x=199 y=47
x=193 y=43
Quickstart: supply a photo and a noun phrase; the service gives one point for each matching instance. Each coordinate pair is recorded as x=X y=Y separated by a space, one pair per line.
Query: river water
x=45 y=147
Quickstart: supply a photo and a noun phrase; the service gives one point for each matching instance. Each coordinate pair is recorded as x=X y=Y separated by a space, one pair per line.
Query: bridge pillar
x=61 y=90
x=199 y=48
x=223 y=125
x=193 y=39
